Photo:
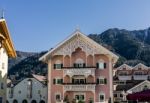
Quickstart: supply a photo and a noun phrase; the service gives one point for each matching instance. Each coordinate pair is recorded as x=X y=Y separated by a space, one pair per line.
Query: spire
x=2 y=14
x=77 y=28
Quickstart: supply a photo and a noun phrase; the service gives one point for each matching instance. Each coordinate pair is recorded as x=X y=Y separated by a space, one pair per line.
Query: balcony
x=83 y=87
x=125 y=77
x=79 y=71
x=140 y=76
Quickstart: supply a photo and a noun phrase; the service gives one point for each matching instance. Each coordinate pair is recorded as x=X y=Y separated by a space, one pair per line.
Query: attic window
x=145 y=87
x=124 y=68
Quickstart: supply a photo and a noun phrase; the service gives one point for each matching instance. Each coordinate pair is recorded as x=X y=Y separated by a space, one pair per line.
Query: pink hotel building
x=80 y=69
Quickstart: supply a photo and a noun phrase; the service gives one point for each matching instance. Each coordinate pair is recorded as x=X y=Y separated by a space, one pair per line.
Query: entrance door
x=1 y=99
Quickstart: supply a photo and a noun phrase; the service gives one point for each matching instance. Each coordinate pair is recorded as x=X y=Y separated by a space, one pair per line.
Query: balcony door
x=78 y=80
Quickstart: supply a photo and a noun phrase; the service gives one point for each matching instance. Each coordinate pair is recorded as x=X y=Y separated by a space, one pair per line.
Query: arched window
x=33 y=101
x=24 y=101
x=15 y=101
x=42 y=101
x=29 y=88
x=79 y=63
x=58 y=64
x=145 y=87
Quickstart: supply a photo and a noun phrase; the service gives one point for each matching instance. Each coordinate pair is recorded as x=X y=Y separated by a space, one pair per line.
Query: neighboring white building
x=29 y=90
x=6 y=50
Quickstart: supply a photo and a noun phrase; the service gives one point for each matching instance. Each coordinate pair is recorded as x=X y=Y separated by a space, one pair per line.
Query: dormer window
x=79 y=63
x=124 y=68
x=58 y=65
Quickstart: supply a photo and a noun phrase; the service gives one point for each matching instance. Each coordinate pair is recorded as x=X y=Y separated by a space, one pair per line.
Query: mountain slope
x=29 y=63
x=132 y=47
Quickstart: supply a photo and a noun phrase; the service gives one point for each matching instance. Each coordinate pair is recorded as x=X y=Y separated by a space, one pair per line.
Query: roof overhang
x=47 y=55
x=7 y=42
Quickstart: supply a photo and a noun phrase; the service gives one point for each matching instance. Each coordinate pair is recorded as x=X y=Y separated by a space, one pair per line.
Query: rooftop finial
x=77 y=28
x=2 y=13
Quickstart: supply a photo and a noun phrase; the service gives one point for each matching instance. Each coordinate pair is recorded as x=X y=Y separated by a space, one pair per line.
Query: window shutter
x=61 y=65
x=61 y=81
x=74 y=65
x=97 y=65
x=54 y=81
x=105 y=81
x=97 y=81
x=84 y=65
x=105 y=65
x=72 y=80
x=54 y=66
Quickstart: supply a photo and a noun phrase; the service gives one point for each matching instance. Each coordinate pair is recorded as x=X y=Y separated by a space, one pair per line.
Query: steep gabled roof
x=146 y=81
x=78 y=33
x=140 y=65
x=39 y=77
x=128 y=85
x=124 y=66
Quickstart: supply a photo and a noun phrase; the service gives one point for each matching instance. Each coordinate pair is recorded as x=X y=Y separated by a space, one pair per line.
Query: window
x=58 y=97
x=39 y=92
x=79 y=63
x=101 y=80
x=121 y=95
x=79 y=97
x=123 y=73
x=19 y=91
x=79 y=81
x=145 y=87
x=29 y=88
x=58 y=66
x=101 y=65
x=3 y=65
x=115 y=95
x=101 y=97
x=2 y=85
x=57 y=81
x=138 y=73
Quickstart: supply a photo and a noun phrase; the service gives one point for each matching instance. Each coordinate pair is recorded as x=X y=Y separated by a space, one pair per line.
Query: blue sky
x=37 y=25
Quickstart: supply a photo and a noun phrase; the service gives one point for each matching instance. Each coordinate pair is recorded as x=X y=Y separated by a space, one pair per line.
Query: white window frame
x=58 y=62
x=80 y=62
x=101 y=93
x=56 y=80
x=101 y=64
x=102 y=78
